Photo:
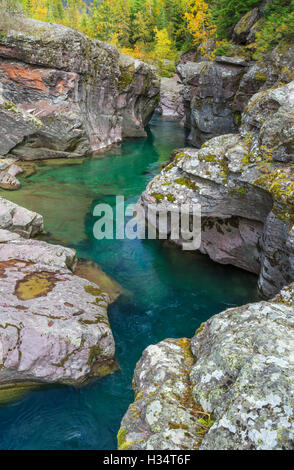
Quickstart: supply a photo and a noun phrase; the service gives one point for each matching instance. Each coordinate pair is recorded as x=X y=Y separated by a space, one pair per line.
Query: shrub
x=278 y=25
x=227 y=13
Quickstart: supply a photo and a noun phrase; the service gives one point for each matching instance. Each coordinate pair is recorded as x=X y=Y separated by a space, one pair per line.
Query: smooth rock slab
x=243 y=27
x=53 y=325
x=36 y=251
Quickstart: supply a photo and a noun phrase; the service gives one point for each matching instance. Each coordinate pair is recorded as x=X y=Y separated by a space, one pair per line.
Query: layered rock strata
x=63 y=95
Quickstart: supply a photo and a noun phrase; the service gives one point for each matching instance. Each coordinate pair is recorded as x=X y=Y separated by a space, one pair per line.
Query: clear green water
x=169 y=292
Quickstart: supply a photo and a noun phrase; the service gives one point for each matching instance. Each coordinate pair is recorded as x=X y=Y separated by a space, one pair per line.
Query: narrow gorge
x=138 y=344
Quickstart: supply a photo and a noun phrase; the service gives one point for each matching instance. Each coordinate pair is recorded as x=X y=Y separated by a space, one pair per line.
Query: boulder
x=230 y=388
x=269 y=118
x=8 y=172
x=65 y=95
x=34 y=251
x=163 y=415
x=53 y=325
x=16 y=125
x=245 y=189
x=19 y=220
x=243 y=28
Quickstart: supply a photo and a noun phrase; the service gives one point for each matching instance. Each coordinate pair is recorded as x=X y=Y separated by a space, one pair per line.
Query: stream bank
x=168 y=293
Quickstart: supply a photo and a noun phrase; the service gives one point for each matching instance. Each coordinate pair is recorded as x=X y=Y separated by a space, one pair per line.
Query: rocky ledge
x=63 y=95
x=54 y=326
x=216 y=93
x=208 y=94
x=228 y=388
x=245 y=185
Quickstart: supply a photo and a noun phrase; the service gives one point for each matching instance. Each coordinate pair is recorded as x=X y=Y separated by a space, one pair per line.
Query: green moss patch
x=95 y=291
x=280 y=184
x=127 y=77
x=186 y=182
x=158 y=196
x=122 y=442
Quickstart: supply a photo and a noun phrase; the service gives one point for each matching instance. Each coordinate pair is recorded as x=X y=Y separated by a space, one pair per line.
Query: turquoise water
x=168 y=292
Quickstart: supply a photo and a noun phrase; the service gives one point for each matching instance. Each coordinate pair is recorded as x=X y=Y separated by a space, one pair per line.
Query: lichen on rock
x=230 y=388
x=244 y=184
x=163 y=415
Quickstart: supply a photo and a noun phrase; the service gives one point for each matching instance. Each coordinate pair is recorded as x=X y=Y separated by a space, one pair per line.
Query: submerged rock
x=65 y=95
x=236 y=392
x=245 y=186
x=89 y=270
